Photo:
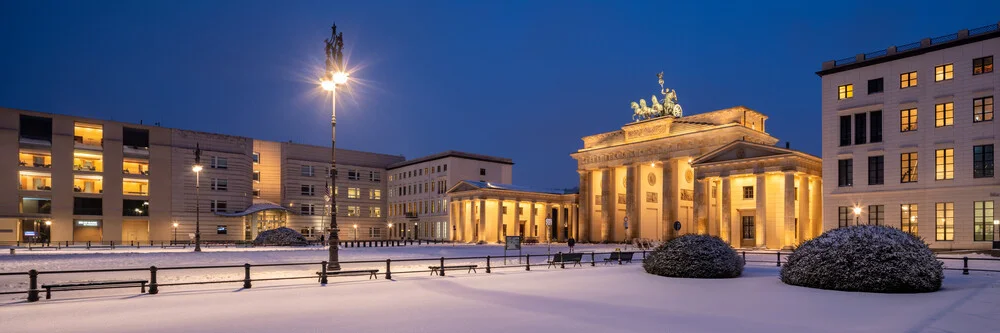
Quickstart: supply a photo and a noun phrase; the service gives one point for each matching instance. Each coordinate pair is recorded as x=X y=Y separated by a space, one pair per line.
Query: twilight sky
x=518 y=79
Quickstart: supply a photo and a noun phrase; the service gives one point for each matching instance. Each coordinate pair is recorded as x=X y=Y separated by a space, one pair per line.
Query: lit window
x=982 y=109
x=982 y=65
x=375 y=194
x=944 y=217
x=353 y=193
x=908 y=120
x=908 y=167
x=845 y=91
x=944 y=163
x=748 y=192
x=353 y=210
x=375 y=211
x=982 y=220
x=944 y=72
x=907 y=80
x=944 y=114
x=908 y=218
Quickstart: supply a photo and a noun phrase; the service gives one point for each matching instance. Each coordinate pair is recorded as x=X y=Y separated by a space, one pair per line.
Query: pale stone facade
x=487 y=212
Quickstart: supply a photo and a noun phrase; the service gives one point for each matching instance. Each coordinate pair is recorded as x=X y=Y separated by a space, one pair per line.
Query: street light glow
x=327 y=85
x=175 y=224
x=340 y=77
x=196 y=168
x=50 y=222
x=857 y=210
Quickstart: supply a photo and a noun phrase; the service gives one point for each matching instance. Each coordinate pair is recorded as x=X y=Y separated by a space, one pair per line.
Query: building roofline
x=925 y=45
x=451 y=153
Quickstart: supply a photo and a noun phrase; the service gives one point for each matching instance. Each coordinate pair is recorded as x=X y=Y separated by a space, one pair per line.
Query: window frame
x=908 y=162
x=983 y=67
x=908 y=120
x=876 y=171
x=983 y=213
x=944 y=221
x=845 y=172
x=307 y=170
x=219 y=162
x=307 y=190
x=843 y=217
x=944 y=164
x=907 y=80
x=845 y=91
x=944 y=114
x=983 y=163
x=876 y=214
x=220 y=184
x=876 y=86
x=944 y=72
x=908 y=220
x=748 y=192
x=985 y=112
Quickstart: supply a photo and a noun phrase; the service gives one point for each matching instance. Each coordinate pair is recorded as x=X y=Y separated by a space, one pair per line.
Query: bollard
x=322 y=274
x=112 y=245
x=246 y=276
x=388 y=269
x=965 y=265
x=527 y=262
x=779 y=258
x=592 y=261
x=487 y=264
x=643 y=255
x=619 y=257
x=153 y=286
x=744 y=257
x=11 y=251
x=442 y=267
x=88 y=245
x=562 y=264
x=32 y=286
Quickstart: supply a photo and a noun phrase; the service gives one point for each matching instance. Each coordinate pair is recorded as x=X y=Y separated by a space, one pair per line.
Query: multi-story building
x=929 y=101
x=418 y=199
x=83 y=179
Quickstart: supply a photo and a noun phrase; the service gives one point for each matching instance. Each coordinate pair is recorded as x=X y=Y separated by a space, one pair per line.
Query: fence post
x=744 y=257
x=562 y=263
x=154 y=288
x=246 y=276
x=527 y=262
x=322 y=274
x=388 y=269
x=643 y=255
x=88 y=245
x=32 y=286
x=592 y=261
x=487 y=264
x=442 y=267
x=779 y=258
x=112 y=245
x=965 y=265
x=619 y=257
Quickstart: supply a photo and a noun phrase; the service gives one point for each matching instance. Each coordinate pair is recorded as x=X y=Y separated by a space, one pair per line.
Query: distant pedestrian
x=321 y=239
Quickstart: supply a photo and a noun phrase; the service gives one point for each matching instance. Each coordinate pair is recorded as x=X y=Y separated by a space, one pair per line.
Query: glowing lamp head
x=196 y=168
x=175 y=224
x=996 y=222
x=355 y=226
x=327 y=85
x=50 y=222
x=390 y=225
x=857 y=210
x=340 y=77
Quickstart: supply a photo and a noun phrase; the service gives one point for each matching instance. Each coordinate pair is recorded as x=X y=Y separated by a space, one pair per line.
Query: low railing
x=100 y=245
x=916 y=45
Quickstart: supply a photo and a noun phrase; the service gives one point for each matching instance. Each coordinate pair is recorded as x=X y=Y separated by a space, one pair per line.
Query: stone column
x=788 y=234
x=726 y=219
x=462 y=221
x=517 y=219
x=546 y=230
x=805 y=218
x=607 y=204
x=701 y=205
x=529 y=230
x=451 y=219
x=482 y=220
x=760 y=197
x=669 y=184
x=582 y=228
x=573 y=226
x=631 y=200
x=499 y=227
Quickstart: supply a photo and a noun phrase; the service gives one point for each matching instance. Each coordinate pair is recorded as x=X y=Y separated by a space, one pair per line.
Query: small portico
x=487 y=212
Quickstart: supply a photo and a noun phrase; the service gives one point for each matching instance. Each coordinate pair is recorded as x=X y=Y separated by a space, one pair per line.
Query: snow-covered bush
x=865 y=258
x=280 y=236
x=694 y=256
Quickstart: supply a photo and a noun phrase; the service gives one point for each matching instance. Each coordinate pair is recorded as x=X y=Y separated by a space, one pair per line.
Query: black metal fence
x=439 y=266
x=105 y=245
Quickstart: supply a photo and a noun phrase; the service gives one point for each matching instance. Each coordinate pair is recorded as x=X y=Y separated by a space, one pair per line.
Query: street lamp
x=197 y=197
x=175 y=233
x=390 y=231
x=857 y=215
x=996 y=231
x=355 y=232
x=333 y=77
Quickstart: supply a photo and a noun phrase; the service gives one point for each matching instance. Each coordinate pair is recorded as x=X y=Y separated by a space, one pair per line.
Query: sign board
x=87 y=223
x=29 y=233
x=677 y=225
x=513 y=243
x=548 y=221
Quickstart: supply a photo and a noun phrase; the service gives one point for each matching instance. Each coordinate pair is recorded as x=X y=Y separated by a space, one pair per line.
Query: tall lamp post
x=355 y=232
x=197 y=197
x=996 y=232
x=175 y=233
x=333 y=77
x=389 y=235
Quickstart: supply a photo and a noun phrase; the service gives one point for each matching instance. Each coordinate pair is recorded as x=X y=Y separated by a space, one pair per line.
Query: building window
x=482 y=172
x=445 y=167
x=982 y=220
x=256 y=175
x=375 y=176
x=876 y=214
x=375 y=211
x=220 y=162
x=944 y=213
x=875 y=86
x=375 y=232
x=908 y=120
x=908 y=167
x=218 y=206
x=747 y=192
x=944 y=114
x=220 y=184
x=845 y=130
x=944 y=72
x=353 y=193
x=353 y=210
x=982 y=109
x=875 y=126
x=845 y=91
x=944 y=164
x=845 y=173
x=256 y=193
x=309 y=190
x=876 y=170
x=375 y=194
x=843 y=217
x=859 y=128
x=908 y=218
x=307 y=171
x=353 y=174
x=256 y=157
x=982 y=161
x=221 y=230
x=307 y=209
x=982 y=65
x=907 y=80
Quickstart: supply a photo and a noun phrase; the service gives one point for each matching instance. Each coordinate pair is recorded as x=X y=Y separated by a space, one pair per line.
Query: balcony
x=88 y=184
x=135 y=167
x=34 y=158
x=88 y=136
x=139 y=187
x=87 y=161
x=35 y=181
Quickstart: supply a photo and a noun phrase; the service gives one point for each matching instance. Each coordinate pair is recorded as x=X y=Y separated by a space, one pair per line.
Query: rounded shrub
x=865 y=258
x=694 y=256
x=280 y=236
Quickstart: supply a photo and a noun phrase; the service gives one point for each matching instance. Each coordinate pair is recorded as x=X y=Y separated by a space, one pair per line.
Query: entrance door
x=748 y=232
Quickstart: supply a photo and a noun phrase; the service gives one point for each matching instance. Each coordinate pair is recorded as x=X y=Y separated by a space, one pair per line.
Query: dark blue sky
x=524 y=80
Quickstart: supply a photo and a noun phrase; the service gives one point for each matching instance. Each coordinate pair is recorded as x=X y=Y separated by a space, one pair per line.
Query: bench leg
x=48 y=293
x=143 y=288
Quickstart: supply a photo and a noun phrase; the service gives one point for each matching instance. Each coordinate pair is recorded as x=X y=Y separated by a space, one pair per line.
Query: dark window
x=845 y=131
x=982 y=161
x=747 y=192
x=221 y=230
x=135 y=207
x=843 y=217
x=87 y=206
x=875 y=86
x=482 y=172
x=859 y=128
x=982 y=65
x=36 y=128
x=876 y=214
x=876 y=126
x=982 y=109
x=135 y=137
x=876 y=170
x=36 y=206
x=748 y=227
x=845 y=173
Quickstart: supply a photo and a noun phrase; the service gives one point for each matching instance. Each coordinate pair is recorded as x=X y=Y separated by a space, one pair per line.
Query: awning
x=256 y=207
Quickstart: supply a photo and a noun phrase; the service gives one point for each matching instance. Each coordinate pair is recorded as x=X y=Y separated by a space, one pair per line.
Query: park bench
x=372 y=273
x=562 y=258
x=437 y=269
x=93 y=285
x=620 y=257
x=43 y=248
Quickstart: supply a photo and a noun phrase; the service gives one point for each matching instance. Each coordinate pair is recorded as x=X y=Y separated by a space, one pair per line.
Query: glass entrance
x=748 y=231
